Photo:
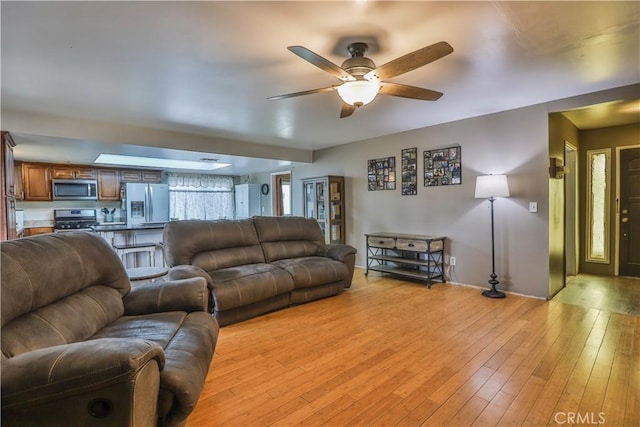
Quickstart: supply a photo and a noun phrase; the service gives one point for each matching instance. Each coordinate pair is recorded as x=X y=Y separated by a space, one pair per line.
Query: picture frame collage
x=442 y=166
x=409 y=159
x=381 y=174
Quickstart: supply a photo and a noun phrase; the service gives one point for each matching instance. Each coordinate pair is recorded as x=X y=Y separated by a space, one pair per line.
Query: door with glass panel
x=629 y=217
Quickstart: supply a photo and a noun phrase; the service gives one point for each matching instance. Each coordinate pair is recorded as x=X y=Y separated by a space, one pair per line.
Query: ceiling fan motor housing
x=358 y=65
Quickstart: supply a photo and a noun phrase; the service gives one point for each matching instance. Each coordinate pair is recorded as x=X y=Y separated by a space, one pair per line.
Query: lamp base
x=494 y=293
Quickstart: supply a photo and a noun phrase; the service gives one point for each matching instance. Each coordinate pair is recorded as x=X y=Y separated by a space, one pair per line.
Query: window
x=200 y=196
x=598 y=197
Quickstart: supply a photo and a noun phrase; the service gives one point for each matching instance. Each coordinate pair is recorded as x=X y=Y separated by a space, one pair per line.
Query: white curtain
x=201 y=196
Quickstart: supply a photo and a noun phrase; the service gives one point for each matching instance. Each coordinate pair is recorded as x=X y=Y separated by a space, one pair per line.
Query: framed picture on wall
x=381 y=174
x=409 y=159
x=443 y=166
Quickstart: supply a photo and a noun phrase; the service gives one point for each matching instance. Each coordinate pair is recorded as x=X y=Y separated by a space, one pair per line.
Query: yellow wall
x=561 y=130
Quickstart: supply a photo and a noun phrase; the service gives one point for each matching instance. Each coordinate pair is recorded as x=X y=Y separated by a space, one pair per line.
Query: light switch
x=533 y=207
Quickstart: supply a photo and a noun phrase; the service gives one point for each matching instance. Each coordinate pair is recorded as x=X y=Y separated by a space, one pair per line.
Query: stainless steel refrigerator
x=147 y=203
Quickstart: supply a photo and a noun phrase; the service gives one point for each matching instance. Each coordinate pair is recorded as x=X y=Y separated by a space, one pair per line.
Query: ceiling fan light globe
x=358 y=92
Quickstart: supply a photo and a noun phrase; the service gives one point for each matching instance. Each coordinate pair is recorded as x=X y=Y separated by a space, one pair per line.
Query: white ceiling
x=206 y=68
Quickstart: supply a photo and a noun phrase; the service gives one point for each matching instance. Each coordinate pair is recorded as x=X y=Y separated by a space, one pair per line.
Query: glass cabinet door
x=324 y=201
x=320 y=200
x=309 y=200
x=320 y=205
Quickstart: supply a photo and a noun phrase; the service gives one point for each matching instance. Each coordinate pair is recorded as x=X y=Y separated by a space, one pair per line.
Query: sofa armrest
x=336 y=251
x=343 y=253
x=188 y=271
x=55 y=373
x=174 y=295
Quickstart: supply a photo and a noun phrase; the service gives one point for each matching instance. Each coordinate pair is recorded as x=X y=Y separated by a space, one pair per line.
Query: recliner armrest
x=188 y=271
x=336 y=251
x=174 y=295
x=54 y=373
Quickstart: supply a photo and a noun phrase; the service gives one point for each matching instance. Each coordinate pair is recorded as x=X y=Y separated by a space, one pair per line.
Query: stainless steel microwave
x=75 y=189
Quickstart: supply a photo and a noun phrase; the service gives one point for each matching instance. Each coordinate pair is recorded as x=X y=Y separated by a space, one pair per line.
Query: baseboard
x=466 y=285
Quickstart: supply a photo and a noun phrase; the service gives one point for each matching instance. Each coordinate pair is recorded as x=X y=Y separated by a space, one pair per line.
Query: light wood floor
x=394 y=353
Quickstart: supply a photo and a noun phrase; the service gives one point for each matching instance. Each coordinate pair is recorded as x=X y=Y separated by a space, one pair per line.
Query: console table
x=409 y=255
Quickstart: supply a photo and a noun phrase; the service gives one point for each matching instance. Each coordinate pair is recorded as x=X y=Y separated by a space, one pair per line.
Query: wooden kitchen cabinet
x=36 y=181
x=7 y=189
x=151 y=176
x=9 y=174
x=17 y=179
x=133 y=175
x=108 y=185
x=73 y=172
x=37 y=230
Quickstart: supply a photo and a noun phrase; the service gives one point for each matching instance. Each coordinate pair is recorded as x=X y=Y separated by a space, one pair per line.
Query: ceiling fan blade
x=320 y=62
x=347 y=110
x=305 y=92
x=406 y=91
x=410 y=61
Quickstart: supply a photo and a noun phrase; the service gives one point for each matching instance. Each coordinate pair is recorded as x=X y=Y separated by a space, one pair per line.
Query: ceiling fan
x=362 y=80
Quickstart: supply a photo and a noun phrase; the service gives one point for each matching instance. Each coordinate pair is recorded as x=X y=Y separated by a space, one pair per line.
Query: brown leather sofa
x=81 y=347
x=257 y=265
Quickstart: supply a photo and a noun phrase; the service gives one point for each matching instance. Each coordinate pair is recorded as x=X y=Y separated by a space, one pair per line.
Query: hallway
x=610 y=293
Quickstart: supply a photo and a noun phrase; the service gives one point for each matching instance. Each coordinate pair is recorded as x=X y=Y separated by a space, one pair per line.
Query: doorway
x=571 y=209
x=628 y=212
x=281 y=198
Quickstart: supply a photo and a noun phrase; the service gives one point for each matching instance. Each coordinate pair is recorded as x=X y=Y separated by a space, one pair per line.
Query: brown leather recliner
x=81 y=347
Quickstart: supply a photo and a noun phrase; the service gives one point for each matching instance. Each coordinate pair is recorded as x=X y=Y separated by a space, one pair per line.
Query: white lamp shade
x=488 y=186
x=358 y=92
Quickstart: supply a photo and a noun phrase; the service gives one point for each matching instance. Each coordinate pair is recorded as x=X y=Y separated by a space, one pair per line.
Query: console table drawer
x=411 y=245
x=436 y=245
x=381 y=242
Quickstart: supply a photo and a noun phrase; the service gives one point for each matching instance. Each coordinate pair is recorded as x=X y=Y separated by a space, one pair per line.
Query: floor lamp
x=490 y=187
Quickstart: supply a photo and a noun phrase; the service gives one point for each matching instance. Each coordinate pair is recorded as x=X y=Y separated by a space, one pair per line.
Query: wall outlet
x=452 y=260
x=533 y=207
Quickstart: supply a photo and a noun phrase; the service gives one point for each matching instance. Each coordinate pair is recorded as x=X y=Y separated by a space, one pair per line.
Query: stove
x=74 y=219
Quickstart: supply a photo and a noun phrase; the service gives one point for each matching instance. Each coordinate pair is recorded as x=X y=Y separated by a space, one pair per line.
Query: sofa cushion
x=288 y=237
x=72 y=261
x=74 y=318
x=231 y=257
x=188 y=340
x=313 y=271
x=58 y=289
x=212 y=245
x=238 y=286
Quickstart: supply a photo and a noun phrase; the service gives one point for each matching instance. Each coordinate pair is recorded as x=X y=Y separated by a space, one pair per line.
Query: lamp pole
x=493 y=292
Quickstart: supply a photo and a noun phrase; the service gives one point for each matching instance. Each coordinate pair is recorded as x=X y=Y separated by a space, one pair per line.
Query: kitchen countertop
x=105 y=226
x=38 y=223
